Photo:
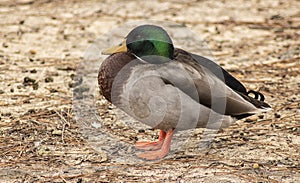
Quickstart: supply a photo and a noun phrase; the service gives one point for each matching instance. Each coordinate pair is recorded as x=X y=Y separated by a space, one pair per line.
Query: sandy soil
x=44 y=41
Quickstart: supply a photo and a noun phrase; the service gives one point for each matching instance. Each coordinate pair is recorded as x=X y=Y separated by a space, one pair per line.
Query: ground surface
x=42 y=43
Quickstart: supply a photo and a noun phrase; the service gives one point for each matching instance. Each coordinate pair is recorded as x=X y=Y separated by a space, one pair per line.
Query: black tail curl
x=257 y=95
x=257 y=100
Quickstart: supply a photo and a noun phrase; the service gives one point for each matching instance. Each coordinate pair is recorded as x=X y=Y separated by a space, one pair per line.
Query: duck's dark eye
x=149 y=44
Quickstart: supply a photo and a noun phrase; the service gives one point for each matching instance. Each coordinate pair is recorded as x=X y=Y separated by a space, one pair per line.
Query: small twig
x=221 y=163
x=60 y=176
x=22 y=150
x=65 y=122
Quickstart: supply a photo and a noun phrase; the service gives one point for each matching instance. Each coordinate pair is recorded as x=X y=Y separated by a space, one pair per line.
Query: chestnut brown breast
x=109 y=70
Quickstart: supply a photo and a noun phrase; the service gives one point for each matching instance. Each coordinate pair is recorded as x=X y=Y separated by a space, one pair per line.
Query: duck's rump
x=212 y=72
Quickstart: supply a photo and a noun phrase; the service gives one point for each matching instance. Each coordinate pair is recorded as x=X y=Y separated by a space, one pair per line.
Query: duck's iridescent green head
x=148 y=42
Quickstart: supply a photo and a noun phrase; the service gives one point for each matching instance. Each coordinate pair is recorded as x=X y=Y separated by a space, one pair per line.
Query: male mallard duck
x=171 y=89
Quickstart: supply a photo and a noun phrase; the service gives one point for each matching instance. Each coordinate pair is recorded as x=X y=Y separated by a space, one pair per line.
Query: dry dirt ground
x=43 y=42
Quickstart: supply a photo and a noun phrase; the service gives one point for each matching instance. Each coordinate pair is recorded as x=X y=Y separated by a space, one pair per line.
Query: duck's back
x=222 y=74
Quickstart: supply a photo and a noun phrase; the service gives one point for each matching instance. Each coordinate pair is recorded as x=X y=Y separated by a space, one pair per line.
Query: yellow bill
x=116 y=49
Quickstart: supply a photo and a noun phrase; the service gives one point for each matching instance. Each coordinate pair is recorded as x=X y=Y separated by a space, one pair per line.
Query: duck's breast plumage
x=109 y=69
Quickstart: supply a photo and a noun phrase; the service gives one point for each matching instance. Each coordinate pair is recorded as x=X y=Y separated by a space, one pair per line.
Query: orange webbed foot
x=152 y=145
x=161 y=152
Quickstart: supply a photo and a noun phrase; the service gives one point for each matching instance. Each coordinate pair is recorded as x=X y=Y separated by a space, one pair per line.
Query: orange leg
x=152 y=145
x=160 y=153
